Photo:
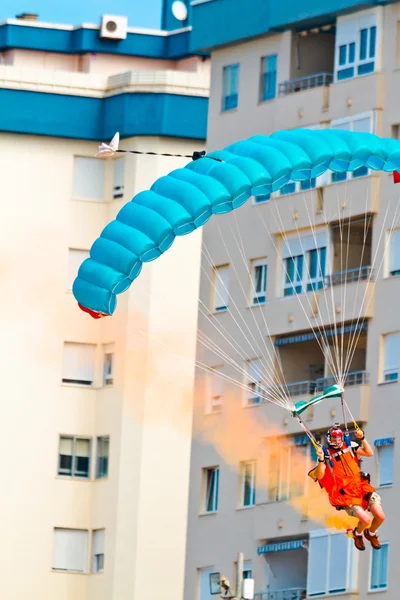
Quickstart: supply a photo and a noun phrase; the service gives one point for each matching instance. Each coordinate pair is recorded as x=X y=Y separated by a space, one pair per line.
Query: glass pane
x=65 y=465
x=372 y=42
x=352 y=52
x=81 y=466
x=249 y=491
x=342 y=55
x=313 y=264
x=363 y=43
x=210 y=492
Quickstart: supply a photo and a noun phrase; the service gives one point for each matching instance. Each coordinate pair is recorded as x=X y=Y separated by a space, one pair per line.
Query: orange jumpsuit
x=342 y=479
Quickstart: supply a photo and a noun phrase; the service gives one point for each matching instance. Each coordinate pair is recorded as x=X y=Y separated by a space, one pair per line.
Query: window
x=211 y=478
x=75 y=259
x=204 y=584
x=331 y=564
x=103 y=452
x=216 y=390
x=268 y=77
x=394 y=253
x=230 y=97
x=108 y=364
x=74 y=457
x=304 y=263
x=119 y=177
x=254 y=376
x=293 y=272
x=385 y=449
x=221 y=288
x=248 y=484
x=380 y=568
x=391 y=351
x=78 y=364
x=356 y=47
x=286 y=460
x=88 y=180
x=70 y=550
x=367 y=51
x=247 y=569
x=259 y=271
x=98 y=551
x=316 y=269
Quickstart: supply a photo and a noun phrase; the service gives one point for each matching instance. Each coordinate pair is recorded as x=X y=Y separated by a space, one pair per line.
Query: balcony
x=289 y=594
x=305 y=83
x=365 y=273
x=352 y=379
x=370 y=95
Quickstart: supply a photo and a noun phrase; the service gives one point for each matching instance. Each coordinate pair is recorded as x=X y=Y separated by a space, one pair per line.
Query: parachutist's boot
x=358 y=540
x=373 y=539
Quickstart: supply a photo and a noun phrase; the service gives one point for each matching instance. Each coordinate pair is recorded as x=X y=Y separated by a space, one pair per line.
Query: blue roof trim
x=96 y=119
x=384 y=442
x=281 y=547
x=84 y=40
x=236 y=23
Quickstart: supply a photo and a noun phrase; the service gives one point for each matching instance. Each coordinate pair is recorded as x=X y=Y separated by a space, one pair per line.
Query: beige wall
x=239 y=433
x=147 y=413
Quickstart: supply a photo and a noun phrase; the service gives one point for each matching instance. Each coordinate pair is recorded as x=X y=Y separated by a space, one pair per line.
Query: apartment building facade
x=94 y=411
x=319 y=254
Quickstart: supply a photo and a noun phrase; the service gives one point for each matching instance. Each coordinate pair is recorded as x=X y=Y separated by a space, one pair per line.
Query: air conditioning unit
x=113 y=27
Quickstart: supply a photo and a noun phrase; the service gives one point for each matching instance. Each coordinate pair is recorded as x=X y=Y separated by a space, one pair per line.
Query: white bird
x=109 y=149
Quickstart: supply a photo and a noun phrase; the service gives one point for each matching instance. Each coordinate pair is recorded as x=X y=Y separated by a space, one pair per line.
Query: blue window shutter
x=317 y=570
x=342 y=55
x=352 y=52
x=386 y=464
x=339 y=553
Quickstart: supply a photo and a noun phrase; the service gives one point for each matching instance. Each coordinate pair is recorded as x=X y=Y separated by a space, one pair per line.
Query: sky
x=140 y=13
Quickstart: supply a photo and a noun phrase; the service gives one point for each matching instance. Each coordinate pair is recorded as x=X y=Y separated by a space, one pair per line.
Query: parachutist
x=338 y=472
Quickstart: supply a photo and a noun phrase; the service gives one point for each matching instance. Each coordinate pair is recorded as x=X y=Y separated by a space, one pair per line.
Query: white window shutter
x=386 y=464
x=298 y=245
x=221 y=287
x=394 y=255
x=391 y=351
x=75 y=259
x=317 y=570
x=89 y=176
x=70 y=550
x=339 y=555
x=78 y=363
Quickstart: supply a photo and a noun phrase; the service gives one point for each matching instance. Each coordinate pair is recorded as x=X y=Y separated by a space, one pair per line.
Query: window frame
x=264 y=73
x=94 y=556
x=228 y=84
x=74 y=439
x=396 y=272
x=253 y=480
x=379 y=459
x=254 y=295
x=389 y=371
x=215 y=495
x=108 y=379
x=256 y=381
x=99 y=441
x=214 y=403
x=216 y=309
x=337 y=123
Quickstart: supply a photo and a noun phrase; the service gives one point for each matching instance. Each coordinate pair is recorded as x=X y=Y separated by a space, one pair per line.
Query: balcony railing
x=305 y=83
x=290 y=594
x=301 y=388
x=352 y=379
x=350 y=276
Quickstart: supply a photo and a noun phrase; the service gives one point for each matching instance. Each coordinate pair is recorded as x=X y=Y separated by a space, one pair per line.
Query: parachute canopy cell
x=333 y=391
x=220 y=182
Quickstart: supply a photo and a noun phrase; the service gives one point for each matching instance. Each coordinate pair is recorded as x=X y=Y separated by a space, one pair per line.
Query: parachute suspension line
x=351 y=416
x=312 y=327
x=386 y=244
x=306 y=430
x=280 y=377
x=344 y=413
x=277 y=398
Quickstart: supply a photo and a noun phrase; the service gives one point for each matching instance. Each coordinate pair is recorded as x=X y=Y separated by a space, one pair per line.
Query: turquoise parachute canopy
x=220 y=182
